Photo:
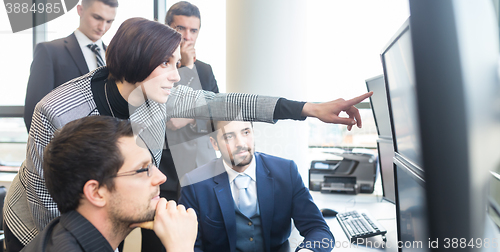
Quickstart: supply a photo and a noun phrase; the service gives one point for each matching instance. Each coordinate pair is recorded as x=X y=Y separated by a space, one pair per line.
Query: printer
x=354 y=173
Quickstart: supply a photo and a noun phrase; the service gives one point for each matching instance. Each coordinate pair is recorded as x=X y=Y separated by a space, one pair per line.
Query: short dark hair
x=83 y=150
x=138 y=47
x=214 y=126
x=111 y=3
x=182 y=8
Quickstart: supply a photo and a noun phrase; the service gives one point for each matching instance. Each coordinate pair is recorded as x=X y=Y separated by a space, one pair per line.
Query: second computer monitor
x=380 y=108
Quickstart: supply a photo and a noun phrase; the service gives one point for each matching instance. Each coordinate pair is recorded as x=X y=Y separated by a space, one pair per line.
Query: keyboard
x=360 y=225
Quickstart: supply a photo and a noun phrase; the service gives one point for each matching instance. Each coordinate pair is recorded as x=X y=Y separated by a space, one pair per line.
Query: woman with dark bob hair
x=137 y=84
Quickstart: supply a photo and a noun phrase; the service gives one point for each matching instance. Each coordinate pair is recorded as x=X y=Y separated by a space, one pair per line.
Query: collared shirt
x=69 y=232
x=89 y=56
x=250 y=171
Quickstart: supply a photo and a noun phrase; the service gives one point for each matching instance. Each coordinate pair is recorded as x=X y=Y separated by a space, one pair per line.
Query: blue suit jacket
x=281 y=194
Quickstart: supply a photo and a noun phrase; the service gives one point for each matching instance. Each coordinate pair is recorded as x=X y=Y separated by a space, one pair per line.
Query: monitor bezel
x=406 y=165
x=393 y=173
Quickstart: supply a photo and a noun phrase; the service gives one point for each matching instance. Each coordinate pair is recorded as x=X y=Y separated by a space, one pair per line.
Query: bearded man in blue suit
x=245 y=200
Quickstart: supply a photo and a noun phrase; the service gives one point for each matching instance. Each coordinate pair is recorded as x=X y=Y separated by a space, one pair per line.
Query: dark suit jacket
x=189 y=147
x=281 y=194
x=69 y=232
x=207 y=78
x=54 y=63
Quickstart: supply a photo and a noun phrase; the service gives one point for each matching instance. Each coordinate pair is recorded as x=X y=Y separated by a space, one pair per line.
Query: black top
x=116 y=101
x=69 y=232
x=286 y=109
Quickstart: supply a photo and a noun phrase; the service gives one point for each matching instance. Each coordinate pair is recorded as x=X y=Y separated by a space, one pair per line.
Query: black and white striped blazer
x=29 y=207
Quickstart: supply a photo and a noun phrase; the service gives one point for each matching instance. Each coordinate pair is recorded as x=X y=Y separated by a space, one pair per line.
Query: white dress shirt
x=89 y=56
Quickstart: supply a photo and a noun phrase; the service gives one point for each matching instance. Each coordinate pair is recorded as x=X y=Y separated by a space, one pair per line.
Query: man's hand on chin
x=176 y=227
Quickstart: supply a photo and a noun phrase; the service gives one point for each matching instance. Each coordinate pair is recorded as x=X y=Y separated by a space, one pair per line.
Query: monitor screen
x=378 y=102
x=411 y=209
x=397 y=60
x=385 y=157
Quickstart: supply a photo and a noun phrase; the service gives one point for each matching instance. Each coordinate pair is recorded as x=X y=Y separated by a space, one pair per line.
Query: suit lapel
x=265 y=195
x=76 y=53
x=226 y=203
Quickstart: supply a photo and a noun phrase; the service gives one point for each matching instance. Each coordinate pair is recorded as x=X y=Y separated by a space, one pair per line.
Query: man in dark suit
x=61 y=60
x=245 y=200
x=188 y=143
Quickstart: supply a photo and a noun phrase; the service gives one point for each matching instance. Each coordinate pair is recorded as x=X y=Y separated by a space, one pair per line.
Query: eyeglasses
x=146 y=169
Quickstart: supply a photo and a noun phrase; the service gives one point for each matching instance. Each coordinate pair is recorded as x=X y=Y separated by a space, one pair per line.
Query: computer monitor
x=385 y=157
x=380 y=109
x=413 y=233
x=410 y=193
x=397 y=61
x=455 y=48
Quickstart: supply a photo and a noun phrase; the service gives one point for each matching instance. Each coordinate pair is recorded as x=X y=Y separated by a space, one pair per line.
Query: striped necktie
x=97 y=52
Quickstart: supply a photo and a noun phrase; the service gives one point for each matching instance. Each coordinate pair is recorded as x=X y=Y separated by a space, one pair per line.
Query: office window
x=344 y=39
x=13 y=138
x=16 y=53
x=322 y=135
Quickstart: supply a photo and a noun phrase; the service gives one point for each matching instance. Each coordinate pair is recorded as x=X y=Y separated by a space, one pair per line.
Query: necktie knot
x=97 y=51
x=242 y=181
x=94 y=48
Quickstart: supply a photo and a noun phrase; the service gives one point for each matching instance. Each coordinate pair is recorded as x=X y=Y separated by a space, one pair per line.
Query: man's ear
x=214 y=143
x=79 y=9
x=94 y=193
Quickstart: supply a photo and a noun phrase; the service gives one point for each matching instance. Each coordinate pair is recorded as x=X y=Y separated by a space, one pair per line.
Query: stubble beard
x=243 y=162
x=121 y=219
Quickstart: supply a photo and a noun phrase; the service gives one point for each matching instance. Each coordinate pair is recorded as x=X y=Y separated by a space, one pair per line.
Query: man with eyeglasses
x=105 y=185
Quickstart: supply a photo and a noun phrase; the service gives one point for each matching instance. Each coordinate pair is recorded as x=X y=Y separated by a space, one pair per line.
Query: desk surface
x=384 y=212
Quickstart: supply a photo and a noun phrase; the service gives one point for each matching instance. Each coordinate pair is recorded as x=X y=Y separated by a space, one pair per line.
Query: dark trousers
x=151 y=242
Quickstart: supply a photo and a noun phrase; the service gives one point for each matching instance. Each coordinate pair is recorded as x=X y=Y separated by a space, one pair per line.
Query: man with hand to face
x=105 y=185
x=185 y=18
x=192 y=145
x=188 y=145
